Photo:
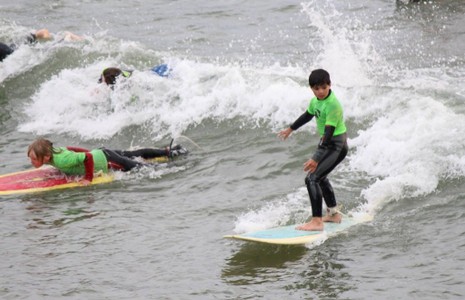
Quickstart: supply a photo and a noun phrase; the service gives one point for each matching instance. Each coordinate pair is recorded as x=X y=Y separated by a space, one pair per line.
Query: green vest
x=328 y=112
x=72 y=163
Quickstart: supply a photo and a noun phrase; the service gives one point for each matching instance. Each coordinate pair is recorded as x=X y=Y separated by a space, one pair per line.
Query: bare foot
x=336 y=218
x=315 y=224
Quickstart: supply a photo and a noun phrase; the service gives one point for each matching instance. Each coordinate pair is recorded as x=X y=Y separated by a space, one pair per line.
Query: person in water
x=45 y=35
x=332 y=149
x=109 y=75
x=79 y=161
x=38 y=36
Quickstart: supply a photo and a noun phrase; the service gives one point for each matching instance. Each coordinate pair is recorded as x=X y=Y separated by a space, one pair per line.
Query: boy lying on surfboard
x=79 y=161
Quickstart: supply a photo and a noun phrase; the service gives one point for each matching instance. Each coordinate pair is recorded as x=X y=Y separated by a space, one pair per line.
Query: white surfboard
x=289 y=235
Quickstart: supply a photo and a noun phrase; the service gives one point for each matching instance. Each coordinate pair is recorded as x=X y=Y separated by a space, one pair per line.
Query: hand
x=310 y=166
x=283 y=134
x=84 y=182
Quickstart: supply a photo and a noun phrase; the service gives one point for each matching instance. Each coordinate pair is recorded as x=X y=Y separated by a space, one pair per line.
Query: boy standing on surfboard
x=79 y=161
x=332 y=149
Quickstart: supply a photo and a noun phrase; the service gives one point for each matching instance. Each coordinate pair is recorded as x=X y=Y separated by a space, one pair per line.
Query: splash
x=277 y=213
x=73 y=103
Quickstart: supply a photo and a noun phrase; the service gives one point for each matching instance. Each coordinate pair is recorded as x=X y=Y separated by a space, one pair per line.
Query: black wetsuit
x=331 y=151
x=318 y=185
x=5 y=50
x=122 y=159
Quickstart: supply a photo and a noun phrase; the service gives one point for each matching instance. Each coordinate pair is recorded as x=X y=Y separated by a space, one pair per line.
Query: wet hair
x=110 y=75
x=319 y=77
x=5 y=50
x=41 y=148
x=31 y=39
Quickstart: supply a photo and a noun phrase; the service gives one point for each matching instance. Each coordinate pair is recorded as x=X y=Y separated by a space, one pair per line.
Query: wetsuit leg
x=325 y=185
x=145 y=153
x=124 y=162
x=314 y=191
x=318 y=185
x=328 y=192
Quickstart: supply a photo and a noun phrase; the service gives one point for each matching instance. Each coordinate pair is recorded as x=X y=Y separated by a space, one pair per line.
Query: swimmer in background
x=109 y=75
x=40 y=35
x=45 y=35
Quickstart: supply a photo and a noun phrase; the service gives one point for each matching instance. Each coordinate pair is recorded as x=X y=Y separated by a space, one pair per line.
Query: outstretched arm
x=283 y=134
x=302 y=120
x=71 y=37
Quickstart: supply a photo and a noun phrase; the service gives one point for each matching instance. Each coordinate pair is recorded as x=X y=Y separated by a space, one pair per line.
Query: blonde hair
x=42 y=147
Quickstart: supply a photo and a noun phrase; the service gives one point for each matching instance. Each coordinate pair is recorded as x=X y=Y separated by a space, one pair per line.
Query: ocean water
x=239 y=75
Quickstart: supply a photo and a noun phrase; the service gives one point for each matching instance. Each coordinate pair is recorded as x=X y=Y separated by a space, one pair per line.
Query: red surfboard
x=43 y=179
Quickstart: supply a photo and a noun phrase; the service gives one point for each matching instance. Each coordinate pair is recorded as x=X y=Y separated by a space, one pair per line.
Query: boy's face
x=36 y=162
x=321 y=91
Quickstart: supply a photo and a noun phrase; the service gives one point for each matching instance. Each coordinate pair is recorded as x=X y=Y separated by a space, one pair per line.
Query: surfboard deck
x=43 y=179
x=288 y=235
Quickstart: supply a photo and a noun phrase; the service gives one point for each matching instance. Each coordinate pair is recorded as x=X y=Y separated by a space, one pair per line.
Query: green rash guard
x=328 y=112
x=72 y=163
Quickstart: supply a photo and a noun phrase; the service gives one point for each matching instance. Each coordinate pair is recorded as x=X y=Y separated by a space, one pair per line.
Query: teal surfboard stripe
x=288 y=235
x=290 y=231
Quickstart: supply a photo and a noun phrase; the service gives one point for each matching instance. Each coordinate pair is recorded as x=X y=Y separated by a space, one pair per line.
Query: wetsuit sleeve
x=302 y=120
x=77 y=149
x=89 y=166
x=324 y=143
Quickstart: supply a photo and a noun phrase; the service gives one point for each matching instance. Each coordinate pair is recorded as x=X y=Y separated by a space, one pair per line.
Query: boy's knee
x=311 y=178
